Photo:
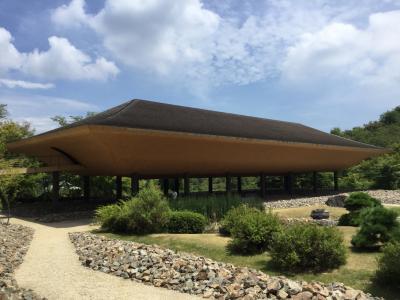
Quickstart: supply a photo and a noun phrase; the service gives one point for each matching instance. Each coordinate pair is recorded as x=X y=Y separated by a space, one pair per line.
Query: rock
x=293 y=287
x=195 y=275
x=336 y=200
x=282 y=294
x=274 y=285
x=303 y=296
x=14 y=243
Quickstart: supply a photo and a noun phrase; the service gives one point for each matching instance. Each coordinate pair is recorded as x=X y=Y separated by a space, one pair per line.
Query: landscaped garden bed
x=264 y=240
x=197 y=275
x=14 y=243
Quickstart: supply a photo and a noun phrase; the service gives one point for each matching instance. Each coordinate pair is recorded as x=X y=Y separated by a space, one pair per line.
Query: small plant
x=253 y=232
x=308 y=247
x=186 y=222
x=232 y=217
x=355 y=203
x=388 y=272
x=378 y=226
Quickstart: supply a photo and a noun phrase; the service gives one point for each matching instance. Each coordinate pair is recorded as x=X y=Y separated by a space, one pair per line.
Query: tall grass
x=214 y=207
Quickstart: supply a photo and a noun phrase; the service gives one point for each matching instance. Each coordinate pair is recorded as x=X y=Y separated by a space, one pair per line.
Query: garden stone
x=282 y=294
x=337 y=200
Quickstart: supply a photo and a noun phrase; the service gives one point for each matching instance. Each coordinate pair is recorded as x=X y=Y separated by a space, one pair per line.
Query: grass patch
x=305 y=212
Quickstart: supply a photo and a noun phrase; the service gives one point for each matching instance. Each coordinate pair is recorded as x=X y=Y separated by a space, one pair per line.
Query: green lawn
x=357 y=272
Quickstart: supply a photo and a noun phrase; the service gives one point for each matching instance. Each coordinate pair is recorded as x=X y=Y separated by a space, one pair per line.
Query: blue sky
x=322 y=63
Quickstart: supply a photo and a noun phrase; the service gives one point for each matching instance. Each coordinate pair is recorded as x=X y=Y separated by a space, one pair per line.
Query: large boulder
x=337 y=200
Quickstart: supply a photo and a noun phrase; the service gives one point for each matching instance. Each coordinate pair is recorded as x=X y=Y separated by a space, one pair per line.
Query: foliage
x=379 y=225
x=148 y=212
x=186 y=222
x=212 y=207
x=253 y=232
x=308 y=247
x=355 y=203
x=9 y=184
x=388 y=272
x=232 y=217
x=382 y=171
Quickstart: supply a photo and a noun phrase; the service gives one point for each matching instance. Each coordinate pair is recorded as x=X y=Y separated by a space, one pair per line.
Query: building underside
x=144 y=139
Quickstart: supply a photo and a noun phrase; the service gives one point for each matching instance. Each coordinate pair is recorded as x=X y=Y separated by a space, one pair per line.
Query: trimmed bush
x=232 y=217
x=253 y=232
x=148 y=212
x=186 y=222
x=388 y=272
x=378 y=226
x=355 y=203
x=308 y=247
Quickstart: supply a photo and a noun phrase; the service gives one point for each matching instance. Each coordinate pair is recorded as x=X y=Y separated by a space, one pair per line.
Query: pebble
x=198 y=275
x=14 y=244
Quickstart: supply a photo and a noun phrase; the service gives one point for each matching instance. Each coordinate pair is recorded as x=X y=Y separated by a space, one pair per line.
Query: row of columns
x=288 y=181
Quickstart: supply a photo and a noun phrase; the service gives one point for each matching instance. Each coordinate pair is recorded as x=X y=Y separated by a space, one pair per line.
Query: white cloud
x=340 y=51
x=64 y=61
x=10 y=83
x=61 y=61
x=10 y=58
x=70 y=15
x=184 y=38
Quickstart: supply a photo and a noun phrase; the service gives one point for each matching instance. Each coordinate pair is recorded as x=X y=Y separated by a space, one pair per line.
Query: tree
x=64 y=121
x=10 y=182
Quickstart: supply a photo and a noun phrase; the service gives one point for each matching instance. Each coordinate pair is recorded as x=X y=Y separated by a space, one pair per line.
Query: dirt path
x=52 y=269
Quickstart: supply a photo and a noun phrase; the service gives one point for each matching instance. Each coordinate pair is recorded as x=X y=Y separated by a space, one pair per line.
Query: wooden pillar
x=228 y=184
x=335 y=181
x=262 y=185
x=118 y=187
x=86 y=188
x=186 y=185
x=56 y=187
x=134 y=184
x=165 y=185
x=288 y=180
x=210 y=185
x=314 y=182
x=239 y=184
x=176 y=185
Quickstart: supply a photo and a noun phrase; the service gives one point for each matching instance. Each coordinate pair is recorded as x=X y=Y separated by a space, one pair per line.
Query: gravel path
x=52 y=268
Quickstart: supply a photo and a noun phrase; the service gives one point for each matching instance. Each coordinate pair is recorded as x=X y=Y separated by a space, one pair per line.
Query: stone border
x=14 y=243
x=385 y=196
x=187 y=273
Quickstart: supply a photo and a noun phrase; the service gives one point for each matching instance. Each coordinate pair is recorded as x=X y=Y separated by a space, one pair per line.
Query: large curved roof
x=143 y=114
x=157 y=140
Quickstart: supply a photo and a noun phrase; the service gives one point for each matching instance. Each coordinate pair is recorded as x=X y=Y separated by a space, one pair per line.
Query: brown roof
x=143 y=114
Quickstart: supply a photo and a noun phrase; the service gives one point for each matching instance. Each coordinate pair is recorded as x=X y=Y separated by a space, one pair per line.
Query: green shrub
x=359 y=200
x=253 y=232
x=186 y=222
x=213 y=207
x=107 y=215
x=378 y=226
x=148 y=212
x=388 y=272
x=355 y=204
x=232 y=217
x=308 y=247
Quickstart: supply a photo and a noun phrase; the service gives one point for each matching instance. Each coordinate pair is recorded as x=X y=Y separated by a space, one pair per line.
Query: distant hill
x=385 y=132
x=381 y=172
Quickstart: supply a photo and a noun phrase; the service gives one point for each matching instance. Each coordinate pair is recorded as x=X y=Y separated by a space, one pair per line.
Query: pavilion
x=144 y=139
